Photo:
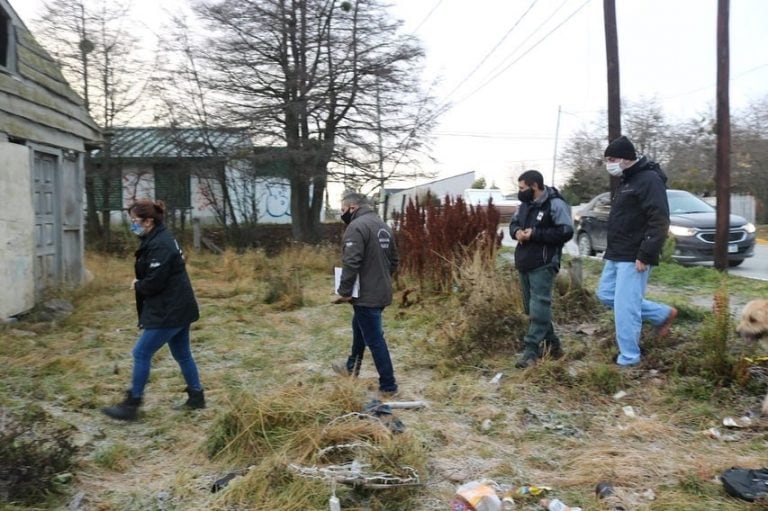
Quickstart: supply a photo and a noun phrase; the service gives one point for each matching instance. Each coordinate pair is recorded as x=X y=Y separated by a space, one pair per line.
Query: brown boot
x=663 y=329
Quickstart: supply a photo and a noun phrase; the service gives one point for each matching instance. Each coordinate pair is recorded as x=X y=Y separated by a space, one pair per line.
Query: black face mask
x=525 y=195
x=346 y=217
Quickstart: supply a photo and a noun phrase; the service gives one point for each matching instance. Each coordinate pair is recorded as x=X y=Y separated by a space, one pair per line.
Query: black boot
x=196 y=400
x=128 y=410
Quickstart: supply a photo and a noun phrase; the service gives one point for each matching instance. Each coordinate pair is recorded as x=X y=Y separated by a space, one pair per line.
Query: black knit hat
x=621 y=148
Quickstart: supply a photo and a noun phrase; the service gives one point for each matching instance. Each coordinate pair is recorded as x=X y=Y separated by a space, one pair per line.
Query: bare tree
x=329 y=81
x=94 y=42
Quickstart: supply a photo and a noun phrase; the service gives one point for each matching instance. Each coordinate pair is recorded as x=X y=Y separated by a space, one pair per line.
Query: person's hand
x=133 y=284
x=640 y=266
x=342 y=299
x=523 y=234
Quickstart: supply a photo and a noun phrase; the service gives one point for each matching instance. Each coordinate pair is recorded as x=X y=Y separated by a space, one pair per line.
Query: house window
x=108 y=192
x=6 y=40
x=172 y=186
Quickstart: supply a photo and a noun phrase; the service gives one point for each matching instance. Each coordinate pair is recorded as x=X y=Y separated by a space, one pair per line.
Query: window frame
x=7 y=43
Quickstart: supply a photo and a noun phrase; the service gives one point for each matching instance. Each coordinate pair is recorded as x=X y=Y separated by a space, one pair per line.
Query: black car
x=692 y=224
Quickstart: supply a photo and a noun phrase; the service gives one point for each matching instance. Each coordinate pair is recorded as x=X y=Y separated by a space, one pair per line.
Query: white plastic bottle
x=557 y=505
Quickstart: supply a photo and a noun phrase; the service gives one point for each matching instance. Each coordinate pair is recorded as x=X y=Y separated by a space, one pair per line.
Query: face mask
x=137 y=229
x=346 y=217
x=614 y=168
x=525 y=195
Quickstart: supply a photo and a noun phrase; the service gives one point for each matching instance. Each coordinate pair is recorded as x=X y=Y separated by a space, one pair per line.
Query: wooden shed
x=45 y=132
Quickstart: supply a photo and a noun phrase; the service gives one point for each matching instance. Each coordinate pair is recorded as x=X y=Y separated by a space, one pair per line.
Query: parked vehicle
x=692 y=224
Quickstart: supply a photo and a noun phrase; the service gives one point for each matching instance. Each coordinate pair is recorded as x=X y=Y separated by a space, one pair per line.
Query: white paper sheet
x=337 y=283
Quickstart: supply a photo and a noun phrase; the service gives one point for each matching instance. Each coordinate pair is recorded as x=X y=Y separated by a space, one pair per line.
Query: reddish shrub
x=435 y=237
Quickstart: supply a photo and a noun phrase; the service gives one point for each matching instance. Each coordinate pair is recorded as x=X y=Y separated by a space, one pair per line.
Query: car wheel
x=735 y=262
x=585 y=245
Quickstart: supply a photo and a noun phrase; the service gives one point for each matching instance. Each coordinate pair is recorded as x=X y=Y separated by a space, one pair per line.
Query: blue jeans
x=367 y=331
x=151 y=340
x=537 y=300
x=622 y=287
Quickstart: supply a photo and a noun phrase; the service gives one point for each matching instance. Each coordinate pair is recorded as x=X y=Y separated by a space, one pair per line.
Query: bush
x=490 y=318
x=32 y=452
x=435 y=237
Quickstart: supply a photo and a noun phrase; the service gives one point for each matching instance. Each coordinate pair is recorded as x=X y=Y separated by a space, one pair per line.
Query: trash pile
x=487 y=495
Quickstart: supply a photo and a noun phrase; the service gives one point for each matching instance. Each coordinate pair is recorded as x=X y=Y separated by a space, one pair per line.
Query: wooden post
x=196 y=235
x=614 y=92
x=723 y=151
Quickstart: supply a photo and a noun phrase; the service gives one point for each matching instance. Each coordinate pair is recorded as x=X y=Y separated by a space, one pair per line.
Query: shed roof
x=164 y=142
x=36 y=102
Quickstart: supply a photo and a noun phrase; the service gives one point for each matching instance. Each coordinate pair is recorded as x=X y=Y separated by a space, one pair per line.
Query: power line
x=491 y=135
x=524 y=41
x=504 y=70
x=707 y=87
x=496 y=47
x=429 y=14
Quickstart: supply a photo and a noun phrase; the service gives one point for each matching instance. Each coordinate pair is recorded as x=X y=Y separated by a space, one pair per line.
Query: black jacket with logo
x=639 y=220
x=369 y=252
x=550 y=218
x=164 y=295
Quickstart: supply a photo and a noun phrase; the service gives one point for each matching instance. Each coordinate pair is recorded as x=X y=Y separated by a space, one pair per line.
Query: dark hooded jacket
x=550 y=218
x=370 y=253
x=639 y=220
x=164 y=296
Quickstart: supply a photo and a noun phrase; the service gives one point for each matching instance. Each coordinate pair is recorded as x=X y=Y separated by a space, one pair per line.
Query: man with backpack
x=541 y=225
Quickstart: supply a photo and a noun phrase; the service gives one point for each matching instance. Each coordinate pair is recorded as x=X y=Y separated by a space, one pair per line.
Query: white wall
x=17 y=220
x=270 y=196
x=454 y=186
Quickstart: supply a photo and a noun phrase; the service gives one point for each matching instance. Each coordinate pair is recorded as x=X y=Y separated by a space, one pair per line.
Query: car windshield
x=683 y=202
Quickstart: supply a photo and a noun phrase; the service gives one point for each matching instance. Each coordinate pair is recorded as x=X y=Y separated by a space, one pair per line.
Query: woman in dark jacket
x=166 y=307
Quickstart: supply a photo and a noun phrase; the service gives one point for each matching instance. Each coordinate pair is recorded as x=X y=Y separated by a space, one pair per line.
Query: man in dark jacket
x=369 y=258
x=637 y=227
x=541 y=225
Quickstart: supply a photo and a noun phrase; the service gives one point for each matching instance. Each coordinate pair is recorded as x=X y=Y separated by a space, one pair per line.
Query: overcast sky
x=507 y=65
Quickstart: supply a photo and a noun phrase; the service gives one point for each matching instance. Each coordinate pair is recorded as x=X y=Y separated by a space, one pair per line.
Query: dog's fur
x=753 y=326
x=754 y=320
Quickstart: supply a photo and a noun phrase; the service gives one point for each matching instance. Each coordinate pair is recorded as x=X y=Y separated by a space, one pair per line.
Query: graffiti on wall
x=277 y=200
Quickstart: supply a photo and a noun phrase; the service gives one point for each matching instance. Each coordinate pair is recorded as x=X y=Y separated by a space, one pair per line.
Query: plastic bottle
x=333 y=502
x=557 y=505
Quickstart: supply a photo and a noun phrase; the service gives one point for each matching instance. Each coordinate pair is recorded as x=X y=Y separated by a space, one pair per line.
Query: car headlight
x=749 y=227
x=678 y=230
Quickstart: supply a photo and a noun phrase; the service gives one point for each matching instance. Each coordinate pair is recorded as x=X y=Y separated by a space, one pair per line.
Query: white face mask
x=614 y=168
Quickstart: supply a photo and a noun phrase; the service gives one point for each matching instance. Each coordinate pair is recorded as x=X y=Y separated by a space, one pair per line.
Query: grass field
x=264 y=345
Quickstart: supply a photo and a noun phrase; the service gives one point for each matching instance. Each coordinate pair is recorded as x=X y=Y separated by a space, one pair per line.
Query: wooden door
x=47 y=223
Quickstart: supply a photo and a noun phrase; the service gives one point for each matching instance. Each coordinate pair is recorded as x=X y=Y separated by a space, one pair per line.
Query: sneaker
x=663 y=329
x=527 y=360
x=340 y=368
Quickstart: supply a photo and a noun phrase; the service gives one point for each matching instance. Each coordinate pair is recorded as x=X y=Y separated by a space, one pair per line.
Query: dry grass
x=274 y=401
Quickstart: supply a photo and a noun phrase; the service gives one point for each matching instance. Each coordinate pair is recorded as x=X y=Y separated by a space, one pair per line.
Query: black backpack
x=746 y=484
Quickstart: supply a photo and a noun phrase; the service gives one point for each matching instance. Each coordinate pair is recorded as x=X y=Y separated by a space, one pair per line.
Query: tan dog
x=753 y=326
x=754 y=320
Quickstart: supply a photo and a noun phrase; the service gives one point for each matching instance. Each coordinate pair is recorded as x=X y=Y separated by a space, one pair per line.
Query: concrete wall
x=17 y=244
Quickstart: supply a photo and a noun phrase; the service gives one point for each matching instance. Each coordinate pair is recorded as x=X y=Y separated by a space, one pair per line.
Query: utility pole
x=382 y=194
x=557 y=132
x=614 y=92
x=723 y=151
